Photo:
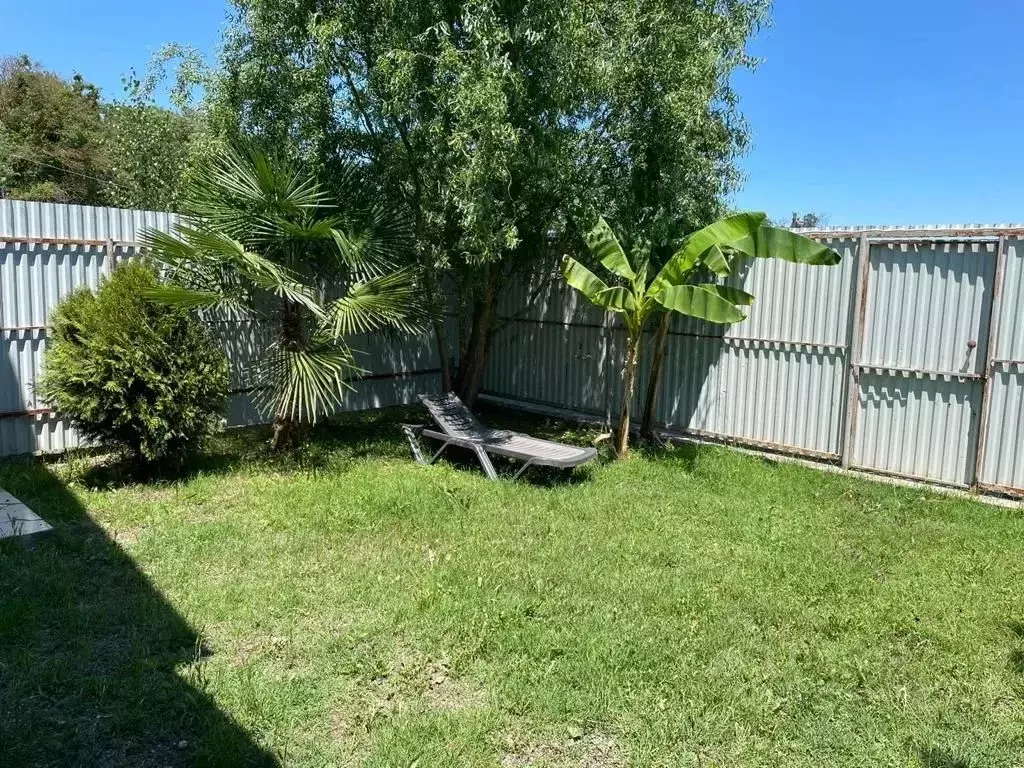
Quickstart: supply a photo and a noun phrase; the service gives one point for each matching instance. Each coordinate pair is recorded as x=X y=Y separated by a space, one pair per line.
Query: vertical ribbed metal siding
x=925 y=302
x=34 y=277
x=792 y=302
x=733 y=382
x=920 y=395
x=1003 y=460
x=780 y=379
x=922 y=427
x=550 y=348
x=770 y=394
x=739 y=381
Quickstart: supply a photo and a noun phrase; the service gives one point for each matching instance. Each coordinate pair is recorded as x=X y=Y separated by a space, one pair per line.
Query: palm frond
x=242 y=186
x=304 y=382
x=387 y=301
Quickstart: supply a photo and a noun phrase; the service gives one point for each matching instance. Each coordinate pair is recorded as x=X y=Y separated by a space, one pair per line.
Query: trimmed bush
x=134 y=375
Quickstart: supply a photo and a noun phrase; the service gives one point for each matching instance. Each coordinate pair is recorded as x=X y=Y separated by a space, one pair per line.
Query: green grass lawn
x=695 y=607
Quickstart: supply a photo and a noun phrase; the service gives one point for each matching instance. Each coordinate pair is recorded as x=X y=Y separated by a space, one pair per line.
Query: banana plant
x=688 y=283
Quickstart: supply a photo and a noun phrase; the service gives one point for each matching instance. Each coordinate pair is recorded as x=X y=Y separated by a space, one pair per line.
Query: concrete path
x=18 y=520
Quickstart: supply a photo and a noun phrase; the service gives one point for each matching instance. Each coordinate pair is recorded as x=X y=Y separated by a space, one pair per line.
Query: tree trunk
x=473 y=361
x=651 y=402
x=628 y=385
x=286 y=425
x=441 y=338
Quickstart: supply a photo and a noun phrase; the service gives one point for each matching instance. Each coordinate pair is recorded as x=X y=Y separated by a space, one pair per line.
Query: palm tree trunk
x=286 y=426
x=651 y=401
x=628 y=386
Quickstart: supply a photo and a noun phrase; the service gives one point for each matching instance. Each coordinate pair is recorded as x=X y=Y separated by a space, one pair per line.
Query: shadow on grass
x=932 y=757
x=96 y=667
x=335 y=443
x=331 y=444
x=1017 y=655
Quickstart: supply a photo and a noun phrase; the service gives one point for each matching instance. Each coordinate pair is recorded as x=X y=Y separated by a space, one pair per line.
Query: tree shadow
x=933 y=757
x=97 y=668
x=328 y=445
x=1016 y=659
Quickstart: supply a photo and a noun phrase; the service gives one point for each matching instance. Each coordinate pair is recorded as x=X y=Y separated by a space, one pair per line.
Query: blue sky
x=869 y=111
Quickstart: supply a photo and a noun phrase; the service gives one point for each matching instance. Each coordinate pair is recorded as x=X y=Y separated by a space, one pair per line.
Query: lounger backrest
x=453 y=416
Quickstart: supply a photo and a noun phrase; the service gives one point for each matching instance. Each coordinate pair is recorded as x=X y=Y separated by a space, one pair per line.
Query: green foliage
x=50 y=135
x=153 y=151
x=680 y=285
x=264 y=242
x=499 y=124
x=132 y=374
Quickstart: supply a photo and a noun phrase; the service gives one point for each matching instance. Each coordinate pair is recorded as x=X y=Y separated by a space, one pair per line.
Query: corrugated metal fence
x=49 y=250
x=906 y=359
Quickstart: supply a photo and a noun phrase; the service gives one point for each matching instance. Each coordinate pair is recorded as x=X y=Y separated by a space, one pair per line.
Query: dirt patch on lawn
x=576 y=750
x=412 y=682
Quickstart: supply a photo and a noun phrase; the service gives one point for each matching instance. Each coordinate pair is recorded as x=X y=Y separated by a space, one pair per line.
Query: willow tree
x=687 y=284
x=497 y=123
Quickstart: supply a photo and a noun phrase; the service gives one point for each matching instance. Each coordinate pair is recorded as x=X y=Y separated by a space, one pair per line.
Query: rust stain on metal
x=1002 y=490
x=727 y=440
x=990 y=350
x=106 y=244
x=24 y=414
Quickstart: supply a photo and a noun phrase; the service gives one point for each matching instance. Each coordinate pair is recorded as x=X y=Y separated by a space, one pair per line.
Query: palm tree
x=687 y=284
x=261 y=241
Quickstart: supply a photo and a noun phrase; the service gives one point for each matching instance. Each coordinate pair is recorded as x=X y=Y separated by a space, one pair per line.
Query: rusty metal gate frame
x=857 y=340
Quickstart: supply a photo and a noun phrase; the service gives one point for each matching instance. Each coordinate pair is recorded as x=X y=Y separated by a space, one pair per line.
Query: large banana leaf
x=700 y=302
x=730 y=294
x=605 y=246
x=616 y=299
x=722 y=232
x=774 y=243
x=582 y=279
x=716 y=260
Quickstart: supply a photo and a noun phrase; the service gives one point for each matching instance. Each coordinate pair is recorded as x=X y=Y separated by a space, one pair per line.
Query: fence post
x=111 y=256
x=994 y=315
x=606 y=343
x=853 y=347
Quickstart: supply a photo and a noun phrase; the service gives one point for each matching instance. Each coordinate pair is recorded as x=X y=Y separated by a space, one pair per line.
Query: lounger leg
x=527 y=465
x=440 y=450
x=485 y=462
x=412 y=434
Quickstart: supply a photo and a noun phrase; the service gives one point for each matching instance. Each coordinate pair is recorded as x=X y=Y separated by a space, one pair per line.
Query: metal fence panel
x=1002 y=464
x=927 y=303
x=1010 y=339
x=776 y=395
x=558 y=350
x=792 y=302
x=921 y=427
x=559 y=365
x=48 y=250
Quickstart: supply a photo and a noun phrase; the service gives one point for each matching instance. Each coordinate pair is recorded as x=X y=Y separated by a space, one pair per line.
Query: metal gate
x=921 y=356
